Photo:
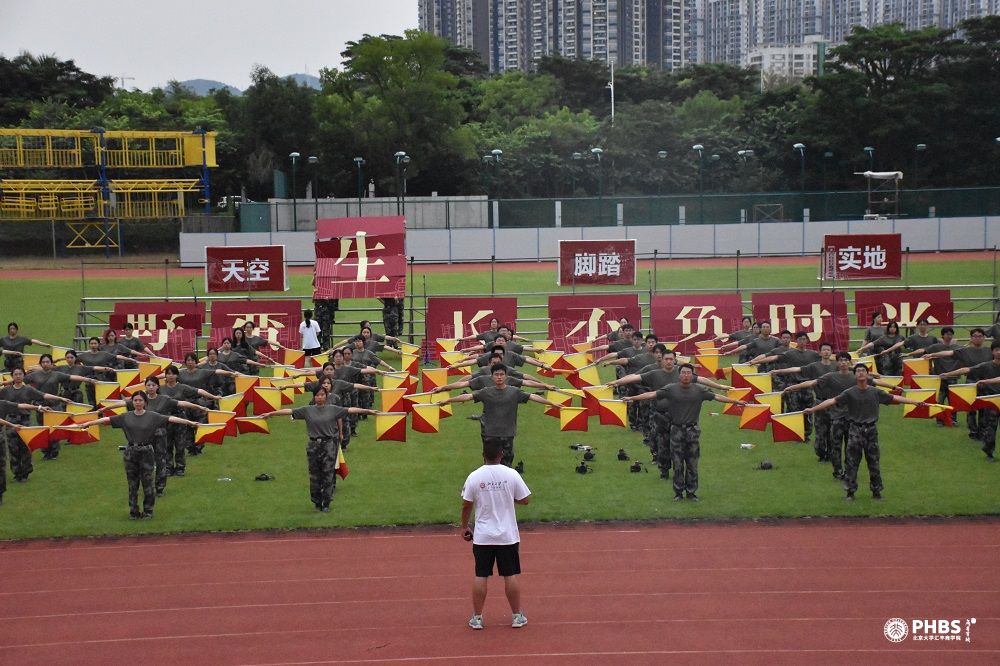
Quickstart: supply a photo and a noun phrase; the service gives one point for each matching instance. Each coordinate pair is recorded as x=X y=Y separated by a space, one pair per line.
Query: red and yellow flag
x=991 y=402
x=705 y=346
x=227 y=419
x=572 y=361
x=247 y=383
x=77 y=408
x=34 y=437
x=558 y=398
x=426 y=418
x=735 y=394
x=929 y=382
x=89 y=436
x=541 y=345
x=433 y=378
x=390 y=427
x=573 y=418
x=613 y=412
x=584 y=348
x=962 y=397
x=410 y=364
x=293 y=357
x=341 y=463
x=266 y=400
x=592 y=395
x=59 y=353
x=395 y=380
x=586 y=377
x=739 y=371
x=392 y=400
x=147 y=370
x=112 y=409
x=772 y=400
x=107 y=391
x=444 y=345
x=550 y=358
x=127 y=378
x=711 y=364
x=757 y=383
x=450 y=357
x=755 y=417
x=210 y=434
x=252 y=424
x=52 y=420
x=915 y=366
x=235 y=402
x=788 y=427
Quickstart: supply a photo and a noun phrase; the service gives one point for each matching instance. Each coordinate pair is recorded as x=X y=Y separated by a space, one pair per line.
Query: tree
x=27 y=79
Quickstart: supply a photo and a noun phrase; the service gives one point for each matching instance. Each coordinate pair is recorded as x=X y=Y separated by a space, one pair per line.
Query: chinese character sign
x=245 y=268
x=575 y=319
x=460 y=317
x=360 y=257
x=169 y=328
x=862 y=257
x=822 y=315
x=596 y=262
x=275 y=321
x=685 y=320
x=906 y=307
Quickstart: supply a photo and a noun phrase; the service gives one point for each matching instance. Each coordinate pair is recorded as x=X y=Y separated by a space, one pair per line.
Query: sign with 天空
x=586 y=262
x=245 y=268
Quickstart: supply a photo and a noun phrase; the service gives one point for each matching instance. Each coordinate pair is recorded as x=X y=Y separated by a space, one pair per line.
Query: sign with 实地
x=685 y=320
x=576 y=319
x=862 y=257
x=906 y=307
x=461 y=317
x=596 y=262
x=360 y=257
x=275 y=321
x=822 y=315
x=245 y=268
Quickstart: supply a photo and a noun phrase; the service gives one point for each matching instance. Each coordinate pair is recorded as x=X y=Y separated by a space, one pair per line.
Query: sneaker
x=148 y=515
x=134 y=515
x=476 y=622
x=518 y=620
x=693 y=497
x=849 y=498
x=678 y=498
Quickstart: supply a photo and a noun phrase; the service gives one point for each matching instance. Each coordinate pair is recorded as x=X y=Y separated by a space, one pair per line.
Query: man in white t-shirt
x=494 y=489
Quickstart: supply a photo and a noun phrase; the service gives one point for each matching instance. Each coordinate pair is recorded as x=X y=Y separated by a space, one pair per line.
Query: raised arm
x=648 y=395
x=785 y=371
x=192 y=405
x=627 y=379
x=958 y=372
x=451 y=387
x=463 y=397
x=801 y=386
x=543 y=401
x=705 y=381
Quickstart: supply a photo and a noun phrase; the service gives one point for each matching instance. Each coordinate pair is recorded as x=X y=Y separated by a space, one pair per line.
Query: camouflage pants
x=633 y=407
x=823 y=443
x=367 y=398
x=17 y=450
x=506 y=446
x=659 y=440
x=321 y=454
x=3 y=463
x=140 y=466
x=161 y=452
x=988 y=431
x=177 y=441
x=643 y=414
x=52 y=451
x=392 y=316
x=200 y=417
x=973 y=419
x=621 y=390
x=796 y=401
x=326 y=312
x=892 y=364
x=838 y=443
x=862 y=440
x=685 y=450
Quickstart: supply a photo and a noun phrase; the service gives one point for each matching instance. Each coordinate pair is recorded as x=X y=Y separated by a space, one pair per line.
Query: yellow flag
x=59 y=353
x=390 y=427
x=788 y=427
x=573 y=418
x=147 y=370
x=229 y=403
x=433 y=377
x=426 y=418
x=107 y=390
x=613 y=412
x=394 y=380
x=246 y=382
x=541 y=345
x=772 y=400
x=891 y=379
x=392 y=399
x=452 y=357
x=407 y=348
x=929 y=382
x=77 y=408
x=549 y=358
x=29 y=360
x=126 y=378
x=761 y=382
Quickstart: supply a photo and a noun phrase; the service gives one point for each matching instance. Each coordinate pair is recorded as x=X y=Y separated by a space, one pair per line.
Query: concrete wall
x=479 y=244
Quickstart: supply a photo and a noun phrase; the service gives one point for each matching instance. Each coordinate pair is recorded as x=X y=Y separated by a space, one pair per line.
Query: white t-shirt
x=310 y=334
x=494 y=488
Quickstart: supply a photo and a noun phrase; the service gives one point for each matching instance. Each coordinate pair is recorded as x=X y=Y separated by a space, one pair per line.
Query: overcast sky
x=154 y=42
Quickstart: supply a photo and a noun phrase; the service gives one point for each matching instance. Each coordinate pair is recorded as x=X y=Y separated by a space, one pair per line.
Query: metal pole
x=83 y=282
x=654 y=269
x=411 y=298
x=166 y=279
x=906 y=267
x=737 y=271
x=52 y=224
x=493 y=271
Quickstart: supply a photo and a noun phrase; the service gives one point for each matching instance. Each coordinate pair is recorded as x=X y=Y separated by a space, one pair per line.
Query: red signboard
x=275 y=321
x=575 y=319
x=360 y=257
x=823 y=315
x=862 y=257
x=906 y=307
x=459 y=317
x=245 y=268
x=169 y=328
x=685 y=320
x=596 y=262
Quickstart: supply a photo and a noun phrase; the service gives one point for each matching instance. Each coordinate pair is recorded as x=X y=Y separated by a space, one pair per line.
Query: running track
x=793 y=592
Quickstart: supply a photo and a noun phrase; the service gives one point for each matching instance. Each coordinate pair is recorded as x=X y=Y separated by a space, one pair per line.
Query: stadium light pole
x=360 y=162
x=700 y=149
x=661 y=156
x=492 y=159
x=577 y=157
x=870 y=151
x=827 y=156
x=401 y=160
x=919 y=148
x=295 y=216
x=800 y=148
x=746 y=155
x=597 y=152
x=313 y=160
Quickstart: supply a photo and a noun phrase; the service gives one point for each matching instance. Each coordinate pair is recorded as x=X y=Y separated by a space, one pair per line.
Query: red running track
x=793 y=592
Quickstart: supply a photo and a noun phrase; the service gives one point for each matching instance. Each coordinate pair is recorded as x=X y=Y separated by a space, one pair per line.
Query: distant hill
x=203 y=87
x=306 y=80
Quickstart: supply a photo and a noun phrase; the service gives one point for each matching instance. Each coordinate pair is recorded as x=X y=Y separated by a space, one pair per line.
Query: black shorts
x=507 y=559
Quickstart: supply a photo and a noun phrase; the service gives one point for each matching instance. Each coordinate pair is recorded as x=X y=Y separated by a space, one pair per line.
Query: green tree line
x=925 y=100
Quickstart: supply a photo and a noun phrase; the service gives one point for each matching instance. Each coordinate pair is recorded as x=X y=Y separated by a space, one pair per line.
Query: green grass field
x=927 y=470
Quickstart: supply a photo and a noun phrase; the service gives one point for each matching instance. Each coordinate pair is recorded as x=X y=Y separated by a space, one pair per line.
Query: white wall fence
x=784 y=238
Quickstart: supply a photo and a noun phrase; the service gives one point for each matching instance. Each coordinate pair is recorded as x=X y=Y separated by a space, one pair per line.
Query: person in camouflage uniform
x=12 y=419
x=986 y=375
x=682 y=402
x=393 y=316
x=862 y=402
x=323 y=428
x=140 y=426
x=18 y=391
x=785 y=370
x=326 y=315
